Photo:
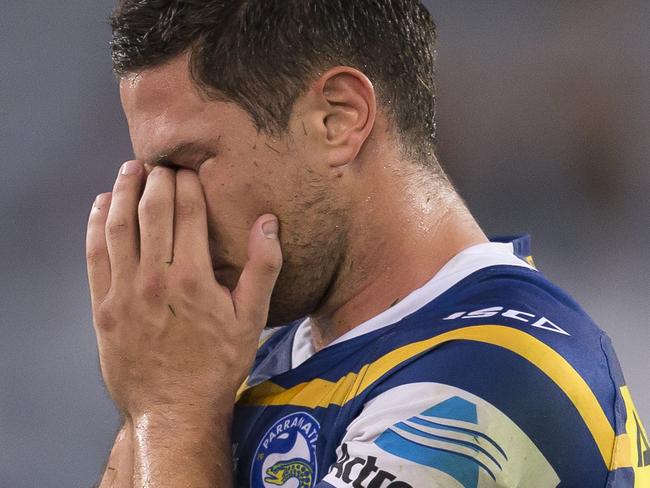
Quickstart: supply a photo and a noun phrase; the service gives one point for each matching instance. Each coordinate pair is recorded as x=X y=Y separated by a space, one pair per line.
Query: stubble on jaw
x=313 y=235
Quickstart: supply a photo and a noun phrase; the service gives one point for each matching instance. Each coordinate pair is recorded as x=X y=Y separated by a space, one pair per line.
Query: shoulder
x=503 y=378
x=421 y=433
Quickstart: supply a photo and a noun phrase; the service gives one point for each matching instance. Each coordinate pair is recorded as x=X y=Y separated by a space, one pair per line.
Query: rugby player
x=285 y=177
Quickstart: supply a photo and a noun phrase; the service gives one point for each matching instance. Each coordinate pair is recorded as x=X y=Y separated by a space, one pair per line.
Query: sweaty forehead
x=164 y=108
x=154 y=90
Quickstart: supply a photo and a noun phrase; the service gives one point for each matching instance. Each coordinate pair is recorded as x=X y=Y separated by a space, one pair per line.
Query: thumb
x=252 y=295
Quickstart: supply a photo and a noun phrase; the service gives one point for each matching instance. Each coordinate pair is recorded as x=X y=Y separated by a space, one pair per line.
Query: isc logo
x=529 y=318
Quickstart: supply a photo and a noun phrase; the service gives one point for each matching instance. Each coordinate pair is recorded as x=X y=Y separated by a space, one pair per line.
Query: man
x=286 y=175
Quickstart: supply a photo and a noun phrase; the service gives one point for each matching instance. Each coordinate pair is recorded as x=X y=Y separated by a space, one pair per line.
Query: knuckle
x=116 y=228
x=94 y=254
x=188 y=283
x=150 y=207
x=153 y=288
x=187 y=209
x=271 y=266
x=105 y=317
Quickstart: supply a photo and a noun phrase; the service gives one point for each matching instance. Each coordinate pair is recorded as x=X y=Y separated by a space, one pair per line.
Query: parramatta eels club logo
x=286 y=455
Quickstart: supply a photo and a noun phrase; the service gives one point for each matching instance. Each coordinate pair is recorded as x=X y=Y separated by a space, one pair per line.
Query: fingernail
x=270 y=228
x=131 y=168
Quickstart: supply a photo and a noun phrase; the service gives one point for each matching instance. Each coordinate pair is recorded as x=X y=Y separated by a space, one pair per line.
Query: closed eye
x=187 y=155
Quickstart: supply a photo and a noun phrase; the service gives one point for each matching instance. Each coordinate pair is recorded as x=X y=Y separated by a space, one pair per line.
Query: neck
x=406 y=228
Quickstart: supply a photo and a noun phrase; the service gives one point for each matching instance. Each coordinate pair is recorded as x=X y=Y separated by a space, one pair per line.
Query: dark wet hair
x=262 y=54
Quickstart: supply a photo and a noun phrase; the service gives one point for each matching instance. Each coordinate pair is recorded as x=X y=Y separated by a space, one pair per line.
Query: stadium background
x=544 y=110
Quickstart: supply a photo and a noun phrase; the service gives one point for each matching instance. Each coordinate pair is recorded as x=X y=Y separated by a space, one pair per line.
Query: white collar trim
x=459 y=267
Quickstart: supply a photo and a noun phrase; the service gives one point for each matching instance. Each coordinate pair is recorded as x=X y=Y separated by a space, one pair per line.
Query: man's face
x=244 y=174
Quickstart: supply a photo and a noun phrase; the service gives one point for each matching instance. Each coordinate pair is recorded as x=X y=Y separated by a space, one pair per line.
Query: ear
x=346 y=115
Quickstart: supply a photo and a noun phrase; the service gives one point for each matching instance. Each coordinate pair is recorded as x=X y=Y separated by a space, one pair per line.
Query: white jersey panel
x=427 y=435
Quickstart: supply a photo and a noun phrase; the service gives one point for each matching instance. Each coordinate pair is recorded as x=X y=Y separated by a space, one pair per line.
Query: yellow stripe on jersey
x=322 y=393
x=632 y=449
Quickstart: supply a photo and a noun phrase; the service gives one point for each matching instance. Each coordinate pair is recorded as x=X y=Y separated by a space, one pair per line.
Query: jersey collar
x=505 y=251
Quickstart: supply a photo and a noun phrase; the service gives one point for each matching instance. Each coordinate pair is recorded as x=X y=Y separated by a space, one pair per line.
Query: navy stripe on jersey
x=523 y=393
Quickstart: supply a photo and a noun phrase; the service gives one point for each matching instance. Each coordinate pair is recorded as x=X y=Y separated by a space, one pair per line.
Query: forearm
x=182 y=450
x=119 y=469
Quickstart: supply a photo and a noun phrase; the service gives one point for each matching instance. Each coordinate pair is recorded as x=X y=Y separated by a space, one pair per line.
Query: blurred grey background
x=544 y=116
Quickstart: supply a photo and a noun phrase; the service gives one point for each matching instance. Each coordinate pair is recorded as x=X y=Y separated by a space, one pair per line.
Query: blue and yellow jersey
x=487 y=376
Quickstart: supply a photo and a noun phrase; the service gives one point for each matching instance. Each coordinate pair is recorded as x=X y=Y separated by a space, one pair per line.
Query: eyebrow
x=171 y=155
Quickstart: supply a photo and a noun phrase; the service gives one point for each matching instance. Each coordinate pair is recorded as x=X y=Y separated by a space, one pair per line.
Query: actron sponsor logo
x=363 y=472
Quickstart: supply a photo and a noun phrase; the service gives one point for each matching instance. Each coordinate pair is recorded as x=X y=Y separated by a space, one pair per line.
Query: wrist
x=194 y=410
x=183 y=447
x=182 y=418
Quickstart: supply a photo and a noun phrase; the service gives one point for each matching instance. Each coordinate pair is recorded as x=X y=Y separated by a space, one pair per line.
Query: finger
x=190 y=222
x=156 y=216
x=99 y=266
x=253 y=293
x=122 y=222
